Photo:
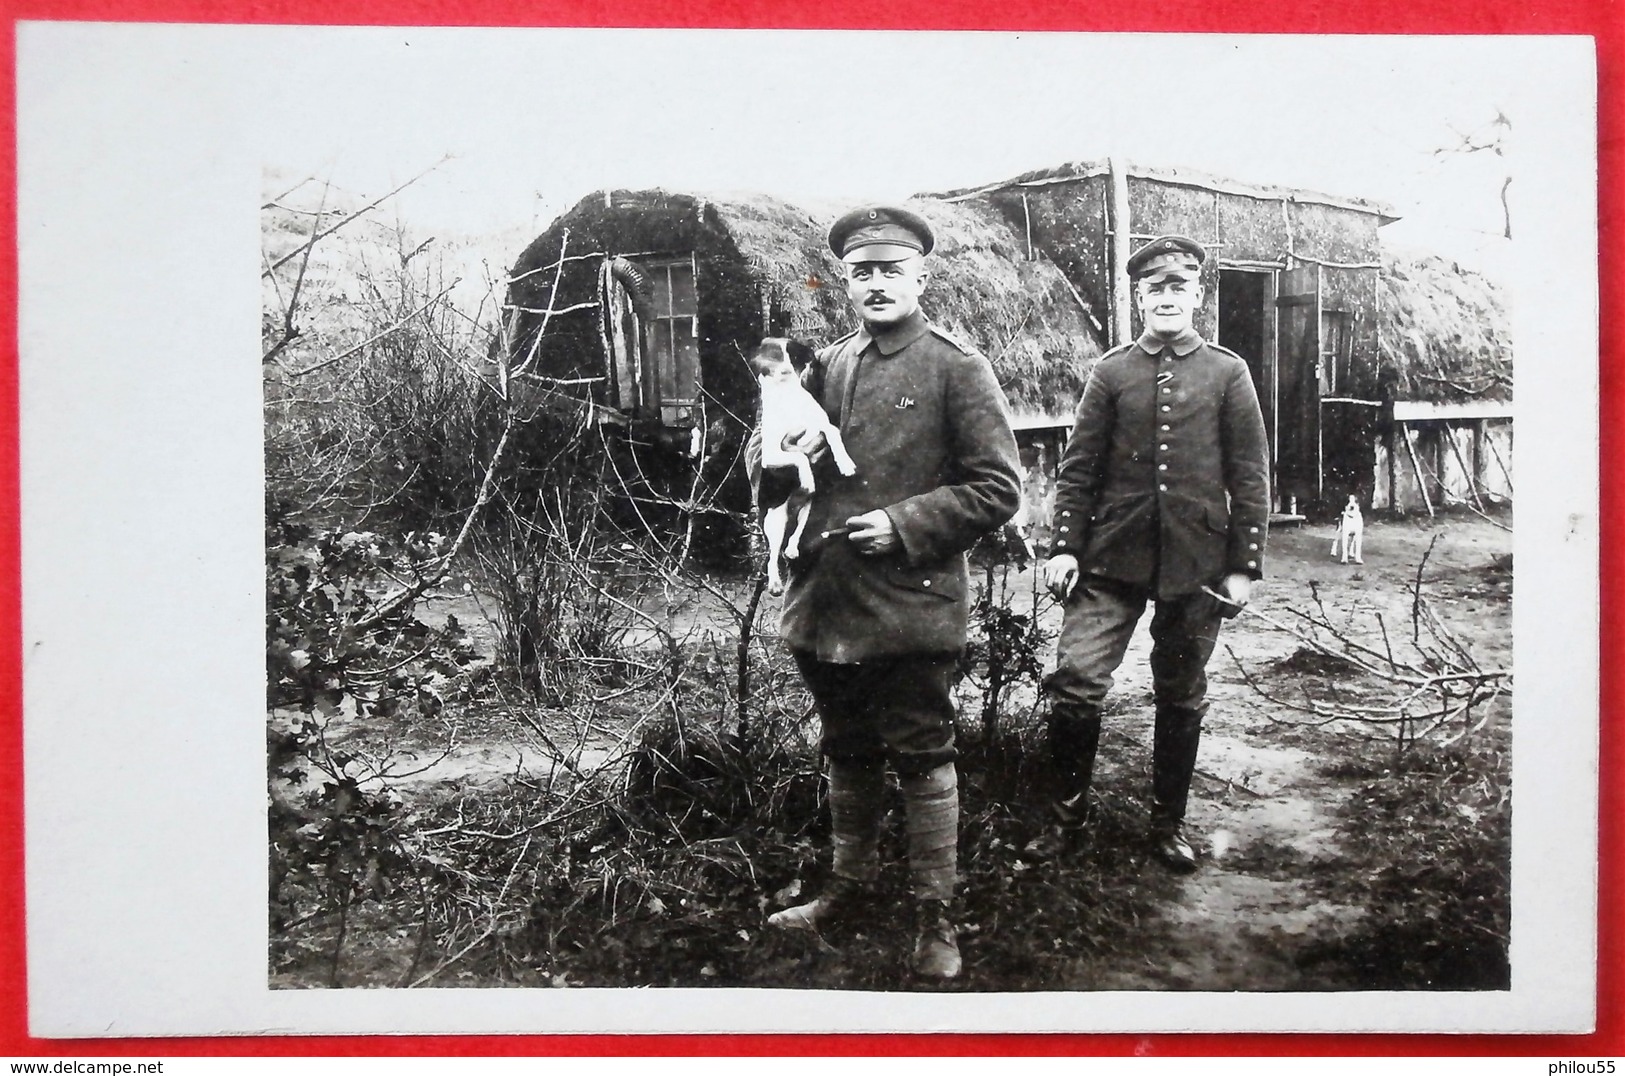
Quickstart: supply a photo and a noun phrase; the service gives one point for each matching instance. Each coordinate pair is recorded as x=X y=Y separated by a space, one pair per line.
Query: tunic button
x=926 y=583
x=1065 y=514
x=1163 y=488
x=1162 y=467
x=1164 y=448
x=1165 y=426
x=1252 y=564
x=1253 y=529
x=1165 y=407
x=1063 y=529
x=1254 y=546
x=1167 y=392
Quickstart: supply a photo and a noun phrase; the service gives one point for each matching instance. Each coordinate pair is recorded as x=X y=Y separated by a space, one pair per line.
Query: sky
x=534 y=120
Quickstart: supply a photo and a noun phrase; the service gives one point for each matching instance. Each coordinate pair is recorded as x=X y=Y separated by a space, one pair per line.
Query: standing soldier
x=1162 y=494
x=875 y=614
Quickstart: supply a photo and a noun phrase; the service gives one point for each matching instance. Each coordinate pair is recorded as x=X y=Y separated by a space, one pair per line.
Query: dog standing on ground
x=1350 y=540
x=788 y=408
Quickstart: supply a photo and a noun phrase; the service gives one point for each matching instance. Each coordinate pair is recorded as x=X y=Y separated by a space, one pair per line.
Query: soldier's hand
x=1238 y=589
x=873 y=532
x=1061 y=575
x=809 y=442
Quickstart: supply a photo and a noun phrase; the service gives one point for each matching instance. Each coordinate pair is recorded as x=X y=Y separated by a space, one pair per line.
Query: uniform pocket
x=1218 y=520
x=937 y=582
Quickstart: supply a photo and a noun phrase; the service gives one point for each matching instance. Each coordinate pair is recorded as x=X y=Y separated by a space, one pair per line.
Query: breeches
x=1099 y=620
x=899 y=709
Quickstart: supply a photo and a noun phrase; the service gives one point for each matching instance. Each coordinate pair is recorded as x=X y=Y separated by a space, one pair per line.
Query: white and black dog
x=1350 y=540
x=788 y=408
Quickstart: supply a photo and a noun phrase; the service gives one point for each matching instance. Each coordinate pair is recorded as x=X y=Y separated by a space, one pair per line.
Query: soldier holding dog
x=877 y=604
x=1162 y=496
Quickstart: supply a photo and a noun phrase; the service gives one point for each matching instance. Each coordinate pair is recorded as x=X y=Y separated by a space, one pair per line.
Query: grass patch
x=1429 y=844
x=661 y=872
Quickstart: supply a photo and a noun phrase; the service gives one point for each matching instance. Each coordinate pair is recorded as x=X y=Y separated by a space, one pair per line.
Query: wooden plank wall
x=1481 y=462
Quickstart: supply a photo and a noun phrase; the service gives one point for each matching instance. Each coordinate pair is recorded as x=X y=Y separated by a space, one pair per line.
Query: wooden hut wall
x=1495 y=457
x=1457 y=460
x=1244 y=229
x=1342 y=243
x=1070 y=224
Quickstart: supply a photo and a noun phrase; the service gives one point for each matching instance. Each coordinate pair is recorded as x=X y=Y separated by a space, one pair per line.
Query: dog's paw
x=848 y=468
x=775 y=587
x=791 y=552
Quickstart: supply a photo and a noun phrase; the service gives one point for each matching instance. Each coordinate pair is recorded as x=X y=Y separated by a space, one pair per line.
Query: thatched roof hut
x=1335 y=328
x=1445 y=331
x=761 y=267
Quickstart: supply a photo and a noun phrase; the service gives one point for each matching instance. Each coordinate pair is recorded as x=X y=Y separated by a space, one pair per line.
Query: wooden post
x=1421 y=482
x=1393 y=470
x=1472 y=479
x=1122 y=247
x=1027 y=217
x=1489 y=439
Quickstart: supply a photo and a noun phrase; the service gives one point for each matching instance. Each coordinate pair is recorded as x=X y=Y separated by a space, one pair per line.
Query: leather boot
x=936 y=941
x=1074 y=739
x=1173 y=764
x=838 y=900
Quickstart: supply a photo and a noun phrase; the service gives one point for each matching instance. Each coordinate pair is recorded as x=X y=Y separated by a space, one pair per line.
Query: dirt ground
x=1264 y=809
x=1263 y=803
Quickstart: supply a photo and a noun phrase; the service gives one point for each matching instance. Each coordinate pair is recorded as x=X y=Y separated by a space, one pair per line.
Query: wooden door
x=1298 y=372
x=674 y=351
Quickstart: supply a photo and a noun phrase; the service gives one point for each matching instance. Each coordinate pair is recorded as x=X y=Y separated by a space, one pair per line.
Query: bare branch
x=323 y=234
x=373 y=339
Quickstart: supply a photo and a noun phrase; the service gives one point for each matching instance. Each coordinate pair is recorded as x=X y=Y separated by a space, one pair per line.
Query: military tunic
x=1164 y=483
x=927 y=425
x=1163 y=490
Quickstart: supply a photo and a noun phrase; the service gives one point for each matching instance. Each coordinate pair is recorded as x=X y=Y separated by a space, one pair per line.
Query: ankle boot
x=856 y=805
x=838 y=901
x=936 y=941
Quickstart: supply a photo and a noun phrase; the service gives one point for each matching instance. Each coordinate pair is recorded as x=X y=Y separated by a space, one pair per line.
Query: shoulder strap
x=958 y=344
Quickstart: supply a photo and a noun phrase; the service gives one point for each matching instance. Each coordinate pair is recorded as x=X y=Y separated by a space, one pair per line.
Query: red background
x=1597 y=18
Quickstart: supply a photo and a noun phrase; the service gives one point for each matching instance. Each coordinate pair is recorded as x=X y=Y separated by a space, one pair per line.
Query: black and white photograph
x=841 y=531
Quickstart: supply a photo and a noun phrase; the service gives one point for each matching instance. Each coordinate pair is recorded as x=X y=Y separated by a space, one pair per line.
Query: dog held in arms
x=1350 y=540
x=787 y=408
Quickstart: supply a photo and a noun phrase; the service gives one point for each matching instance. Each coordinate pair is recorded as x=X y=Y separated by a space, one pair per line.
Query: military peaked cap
x=880 y=233
x=1166 y=254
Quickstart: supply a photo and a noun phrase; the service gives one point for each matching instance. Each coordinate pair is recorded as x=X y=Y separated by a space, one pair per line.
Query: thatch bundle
x=762 y=259
x=1023 y=314
x=1445 y=331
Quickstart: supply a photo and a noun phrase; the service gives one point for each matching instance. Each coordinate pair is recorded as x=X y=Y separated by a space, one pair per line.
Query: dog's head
x=779 y=358
x=1353 y=507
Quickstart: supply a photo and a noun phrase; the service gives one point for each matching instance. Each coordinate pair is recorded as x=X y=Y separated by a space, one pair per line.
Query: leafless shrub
x=1422 y=685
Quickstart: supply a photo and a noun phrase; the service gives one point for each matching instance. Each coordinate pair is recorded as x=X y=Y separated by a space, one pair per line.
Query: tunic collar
x=893 y=338
x=1181 y=345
